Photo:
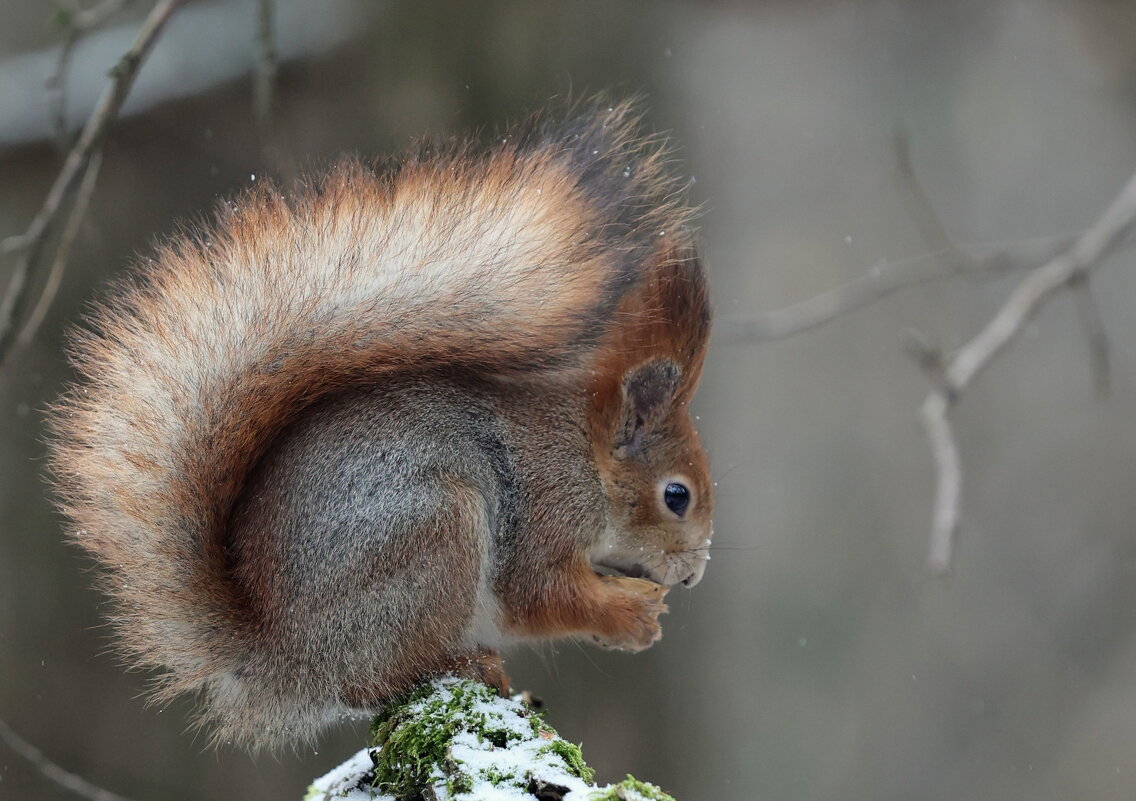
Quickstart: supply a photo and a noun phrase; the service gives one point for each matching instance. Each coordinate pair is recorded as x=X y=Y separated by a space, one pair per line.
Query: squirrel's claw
x=485 y=666
x=633 y=624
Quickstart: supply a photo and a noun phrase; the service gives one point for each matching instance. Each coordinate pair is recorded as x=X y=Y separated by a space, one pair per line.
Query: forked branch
x=1054 y=265
x=29 y=245
x=956 y=373
x=53 y=772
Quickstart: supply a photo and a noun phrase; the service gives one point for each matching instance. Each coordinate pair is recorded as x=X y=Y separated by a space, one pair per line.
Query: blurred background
x=818 y=659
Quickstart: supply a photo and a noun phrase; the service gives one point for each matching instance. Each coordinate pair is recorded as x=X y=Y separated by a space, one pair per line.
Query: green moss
x=499 y=777
x=631 y=789
x=414 y=734
x=573 y=758
x=457 y=736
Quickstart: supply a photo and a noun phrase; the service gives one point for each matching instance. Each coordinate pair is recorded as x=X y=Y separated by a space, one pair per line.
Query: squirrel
x=327 y=446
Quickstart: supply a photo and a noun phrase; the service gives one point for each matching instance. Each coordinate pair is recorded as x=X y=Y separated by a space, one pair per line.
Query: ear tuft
x=648 y=390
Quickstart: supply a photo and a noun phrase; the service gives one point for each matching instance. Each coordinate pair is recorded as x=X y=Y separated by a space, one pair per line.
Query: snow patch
x=487 y=749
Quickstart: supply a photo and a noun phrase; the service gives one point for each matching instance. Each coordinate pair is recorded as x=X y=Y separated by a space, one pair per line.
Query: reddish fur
x=191 y=370
x=577 y=601
x=668 y=317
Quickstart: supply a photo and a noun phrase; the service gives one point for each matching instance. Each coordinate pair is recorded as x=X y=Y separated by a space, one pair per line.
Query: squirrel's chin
x=685 y=569
x=622 y=569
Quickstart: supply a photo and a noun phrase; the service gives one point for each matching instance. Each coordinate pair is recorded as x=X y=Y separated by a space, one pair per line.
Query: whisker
x=734 y=467
x=580 y=646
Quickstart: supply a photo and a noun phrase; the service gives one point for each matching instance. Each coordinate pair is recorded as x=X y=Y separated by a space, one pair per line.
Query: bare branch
x=31 y=242
x=88 y=19
x=946 y=260
x=273 y=150
x=1032 y=293
x=63 y=251
x=53 y=772
x=881 y=281
x=1064 y=262
x=1069 y=269
x=948 y=482
x=56 y=86
x=884 y=280
x=76 y=23
x=1096 y=334
x=266 y=67
x=926 y=218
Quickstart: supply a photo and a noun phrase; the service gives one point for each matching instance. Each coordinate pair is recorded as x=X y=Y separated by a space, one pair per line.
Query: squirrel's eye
x=676 y=497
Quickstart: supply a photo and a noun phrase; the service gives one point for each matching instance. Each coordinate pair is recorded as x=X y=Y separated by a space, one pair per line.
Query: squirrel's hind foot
x=482 y=665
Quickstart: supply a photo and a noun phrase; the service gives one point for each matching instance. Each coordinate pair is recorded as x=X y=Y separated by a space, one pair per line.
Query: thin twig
x=63 y=251
x=884 y=280
x=53 y=772
x=76 y=23
x=56 y=86
x=1100 y=349
x=1064 y=264
x=1093 y=245
x=926 y=218
x=31 y=242
x=945 y=260
x=965 y=365
x=93 y=17
x=948 y=480
x=266 y=67
x=276 y=155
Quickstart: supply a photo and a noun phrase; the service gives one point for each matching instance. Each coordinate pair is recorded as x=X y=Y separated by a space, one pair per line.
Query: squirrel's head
x=657 y=483
x=655 y=475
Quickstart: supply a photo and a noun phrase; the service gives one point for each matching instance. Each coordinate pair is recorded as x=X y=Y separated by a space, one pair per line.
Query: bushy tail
x=511 y=260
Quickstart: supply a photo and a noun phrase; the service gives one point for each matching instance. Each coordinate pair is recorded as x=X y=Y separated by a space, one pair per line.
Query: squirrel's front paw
x=634 y=614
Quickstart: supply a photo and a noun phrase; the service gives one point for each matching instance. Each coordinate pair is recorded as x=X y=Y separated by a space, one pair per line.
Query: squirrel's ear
x=647 y=393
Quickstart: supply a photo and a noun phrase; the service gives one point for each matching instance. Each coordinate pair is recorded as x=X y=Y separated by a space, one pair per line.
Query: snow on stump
x=456 y=740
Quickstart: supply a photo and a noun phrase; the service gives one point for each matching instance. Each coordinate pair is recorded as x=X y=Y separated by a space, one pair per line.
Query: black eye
x=677 y=498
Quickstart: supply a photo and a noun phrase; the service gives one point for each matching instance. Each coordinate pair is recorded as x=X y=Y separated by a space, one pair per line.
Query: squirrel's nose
x=695 y=574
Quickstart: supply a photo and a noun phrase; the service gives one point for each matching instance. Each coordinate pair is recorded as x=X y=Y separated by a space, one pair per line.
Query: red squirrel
x=334 y=444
